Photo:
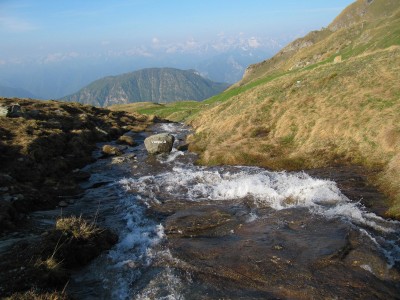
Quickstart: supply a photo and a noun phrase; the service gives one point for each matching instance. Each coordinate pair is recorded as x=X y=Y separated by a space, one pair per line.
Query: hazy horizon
x=53 y=47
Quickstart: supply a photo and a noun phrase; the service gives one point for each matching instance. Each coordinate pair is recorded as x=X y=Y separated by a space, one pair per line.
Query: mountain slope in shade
x=11 y=92
x=152 y=85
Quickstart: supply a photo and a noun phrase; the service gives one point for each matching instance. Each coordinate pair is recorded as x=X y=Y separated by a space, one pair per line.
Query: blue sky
x=45 y=27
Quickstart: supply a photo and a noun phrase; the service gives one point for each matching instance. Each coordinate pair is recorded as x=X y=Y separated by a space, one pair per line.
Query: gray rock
x=159 y=143
x=15 y=111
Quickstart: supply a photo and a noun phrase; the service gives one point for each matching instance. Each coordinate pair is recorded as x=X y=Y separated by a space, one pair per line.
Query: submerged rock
x=159 y=143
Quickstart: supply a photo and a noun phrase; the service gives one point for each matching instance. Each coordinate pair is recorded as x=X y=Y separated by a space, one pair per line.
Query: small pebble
x=62 y=204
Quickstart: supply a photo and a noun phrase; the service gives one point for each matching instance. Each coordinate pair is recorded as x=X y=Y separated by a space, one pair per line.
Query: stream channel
x=230 y=232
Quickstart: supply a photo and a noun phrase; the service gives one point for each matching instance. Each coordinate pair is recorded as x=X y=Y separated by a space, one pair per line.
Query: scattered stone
x=159 y=143
x=128 y=140
x=4 y=189
x=111 y=150
x=278 y=247
x=131 y=156
x=62 y=204
x=337 y=59
x=118 y=160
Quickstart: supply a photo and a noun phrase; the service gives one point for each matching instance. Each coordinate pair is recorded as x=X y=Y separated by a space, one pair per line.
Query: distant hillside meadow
x=159 y=85
x=329 y=98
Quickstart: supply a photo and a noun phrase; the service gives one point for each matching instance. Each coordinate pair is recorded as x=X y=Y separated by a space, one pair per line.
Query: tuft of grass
x=37 y=295
x=78 y=227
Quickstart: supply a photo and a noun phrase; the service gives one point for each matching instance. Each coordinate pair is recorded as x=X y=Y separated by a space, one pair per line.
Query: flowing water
x=193 y=232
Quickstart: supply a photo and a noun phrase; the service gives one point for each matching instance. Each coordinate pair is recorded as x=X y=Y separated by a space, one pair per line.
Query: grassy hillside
x=366 y=25
x=176 y=111
x=332 y=97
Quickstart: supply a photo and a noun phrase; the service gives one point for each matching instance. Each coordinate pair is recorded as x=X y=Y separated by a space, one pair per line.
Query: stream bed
x=229 y=232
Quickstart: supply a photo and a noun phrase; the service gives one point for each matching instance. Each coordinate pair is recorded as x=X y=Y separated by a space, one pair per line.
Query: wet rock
x=79 y=175
x=127 y=140
x=7 y=197
x=183 y=147
x=8 y=215
x=110 y=150
x=159 y=143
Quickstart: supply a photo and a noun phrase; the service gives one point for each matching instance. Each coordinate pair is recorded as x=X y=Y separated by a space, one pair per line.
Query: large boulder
x=159 y=143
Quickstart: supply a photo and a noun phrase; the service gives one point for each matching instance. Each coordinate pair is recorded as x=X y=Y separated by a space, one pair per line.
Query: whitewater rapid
x=176 y=177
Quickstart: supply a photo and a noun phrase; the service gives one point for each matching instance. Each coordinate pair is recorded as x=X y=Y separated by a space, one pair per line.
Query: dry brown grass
x=346 y=112
x=78 y=227
x=36 y=295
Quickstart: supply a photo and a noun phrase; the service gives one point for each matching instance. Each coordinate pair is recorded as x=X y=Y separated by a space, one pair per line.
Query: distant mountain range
x=10 y=92
x=222 y=59
x=160 y=85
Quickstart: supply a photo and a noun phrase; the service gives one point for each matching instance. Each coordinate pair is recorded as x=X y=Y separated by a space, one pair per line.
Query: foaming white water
x=169 y=127
x=279 y=190
x=172 y=156
x=135 y=250
x=164 y=286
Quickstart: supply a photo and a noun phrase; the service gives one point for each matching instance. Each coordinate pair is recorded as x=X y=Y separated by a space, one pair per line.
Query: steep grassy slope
x=365 y=25
x=154 y=85
x=330 y=97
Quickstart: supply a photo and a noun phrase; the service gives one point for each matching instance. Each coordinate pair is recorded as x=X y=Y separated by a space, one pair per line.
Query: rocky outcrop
x=43 y=143
x=159 y=143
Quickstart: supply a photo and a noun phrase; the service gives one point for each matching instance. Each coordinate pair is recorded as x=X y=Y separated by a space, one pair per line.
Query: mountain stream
x=230 y=232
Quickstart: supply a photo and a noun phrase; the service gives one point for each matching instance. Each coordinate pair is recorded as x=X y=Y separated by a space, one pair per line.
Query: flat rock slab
x=159 y=143
x=287 y=254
